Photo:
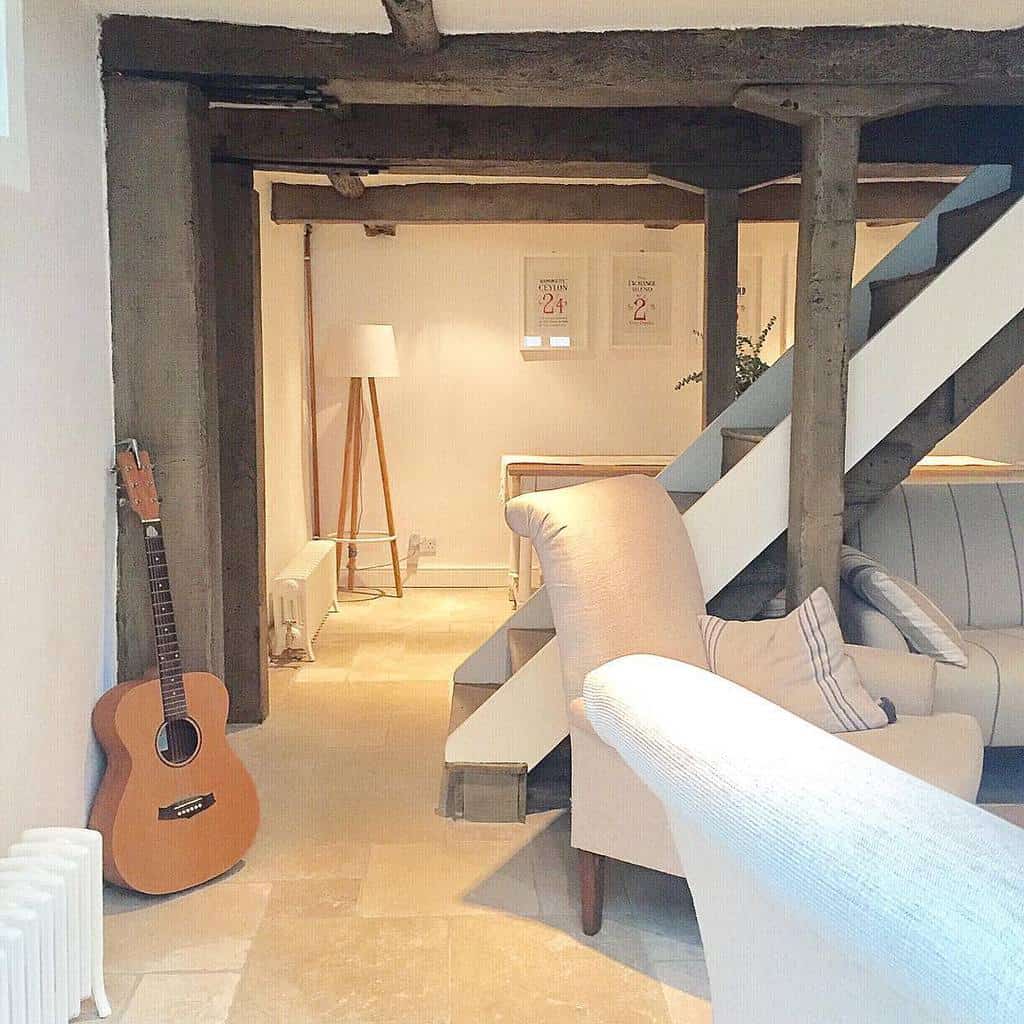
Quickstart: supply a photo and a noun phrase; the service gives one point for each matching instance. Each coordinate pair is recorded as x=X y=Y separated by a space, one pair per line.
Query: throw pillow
x=798 y=662
x=926 y=629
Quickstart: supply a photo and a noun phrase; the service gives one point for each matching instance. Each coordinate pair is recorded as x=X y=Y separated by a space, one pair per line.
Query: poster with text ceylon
x=641 y=299
x=554 y=302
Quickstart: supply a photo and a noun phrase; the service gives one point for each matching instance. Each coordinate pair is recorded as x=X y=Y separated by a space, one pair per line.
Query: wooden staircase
x=891 y=461
x=513 y=756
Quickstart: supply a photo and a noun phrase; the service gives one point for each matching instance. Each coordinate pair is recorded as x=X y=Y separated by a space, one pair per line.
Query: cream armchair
x=846 y=890
x=621 y=577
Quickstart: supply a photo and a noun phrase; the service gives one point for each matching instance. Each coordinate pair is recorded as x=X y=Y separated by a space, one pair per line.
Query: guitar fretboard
x=168 y=651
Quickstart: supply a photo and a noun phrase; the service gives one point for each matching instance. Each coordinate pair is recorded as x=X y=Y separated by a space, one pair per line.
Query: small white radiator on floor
x=302 y=595
x=51 y=926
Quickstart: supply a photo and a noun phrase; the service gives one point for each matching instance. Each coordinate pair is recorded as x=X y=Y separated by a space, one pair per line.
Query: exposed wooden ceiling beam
x=413 y=25
x=699 y=144
x=573 y=204
x=693 y=67
x=348 y=185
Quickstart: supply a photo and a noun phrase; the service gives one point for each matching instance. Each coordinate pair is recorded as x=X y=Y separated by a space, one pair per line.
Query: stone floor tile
x=346 y=970
x=204 y=929
x=313 y=898
x=176 y=998
x=685 y=987
x=423 y=879
x=521 y=971
x=120 y=988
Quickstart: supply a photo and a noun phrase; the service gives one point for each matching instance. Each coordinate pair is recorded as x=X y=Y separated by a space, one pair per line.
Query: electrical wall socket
x=428 y=546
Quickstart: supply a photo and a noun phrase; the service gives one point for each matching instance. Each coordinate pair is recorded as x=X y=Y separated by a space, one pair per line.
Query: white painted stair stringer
x=967 y=304
x=767 y=402
x=921 y=347
x=490 y=662
x=525 y=718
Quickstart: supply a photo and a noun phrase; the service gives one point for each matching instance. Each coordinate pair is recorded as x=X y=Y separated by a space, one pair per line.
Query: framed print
x=641 y=299
x=554 y=303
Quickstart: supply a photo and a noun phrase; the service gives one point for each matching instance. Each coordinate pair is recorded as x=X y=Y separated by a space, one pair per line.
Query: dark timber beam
x=413 y=25
x=705 y=147
x=830 y=120
x=721 y=271
x=451 y=203
x=348 y=185
x=563 y=142
x=692 y=67
x=824 y=278
x=165 y=357
x=240 y=402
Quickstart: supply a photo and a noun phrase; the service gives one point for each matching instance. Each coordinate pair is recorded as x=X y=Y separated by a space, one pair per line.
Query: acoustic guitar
x=176 y=806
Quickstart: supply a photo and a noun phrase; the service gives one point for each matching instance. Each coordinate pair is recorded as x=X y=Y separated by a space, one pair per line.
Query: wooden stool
x=351 y=482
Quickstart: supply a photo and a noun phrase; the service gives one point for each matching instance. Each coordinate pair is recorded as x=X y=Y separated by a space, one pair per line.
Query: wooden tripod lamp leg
x=386 y=483
x=346 y=466
x=357 y=476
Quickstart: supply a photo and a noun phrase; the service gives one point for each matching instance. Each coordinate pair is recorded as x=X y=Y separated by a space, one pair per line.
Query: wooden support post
x=817 y=465
x=165 y=355
x=721 y=256
x=240 y=402
x=830 y=119
x=413 y=25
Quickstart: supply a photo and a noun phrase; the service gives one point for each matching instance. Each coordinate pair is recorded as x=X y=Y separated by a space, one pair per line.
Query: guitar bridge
x=188 y=807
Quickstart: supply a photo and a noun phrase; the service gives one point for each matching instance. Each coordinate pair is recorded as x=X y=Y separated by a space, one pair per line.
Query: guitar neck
x=168 y=650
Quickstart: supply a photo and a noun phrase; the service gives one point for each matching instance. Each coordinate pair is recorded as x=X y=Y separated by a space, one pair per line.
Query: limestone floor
x=359 y=905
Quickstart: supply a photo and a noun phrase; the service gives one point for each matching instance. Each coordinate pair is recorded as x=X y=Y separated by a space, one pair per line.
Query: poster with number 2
x=642 y=299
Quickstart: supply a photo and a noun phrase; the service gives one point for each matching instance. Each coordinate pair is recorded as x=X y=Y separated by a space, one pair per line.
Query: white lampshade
x=357 y=350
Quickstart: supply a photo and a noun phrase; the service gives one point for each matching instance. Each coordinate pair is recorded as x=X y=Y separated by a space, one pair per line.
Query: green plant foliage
x=749 y=364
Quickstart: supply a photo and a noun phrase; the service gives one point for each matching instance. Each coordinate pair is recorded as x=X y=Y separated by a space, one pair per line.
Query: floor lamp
x=358 y=352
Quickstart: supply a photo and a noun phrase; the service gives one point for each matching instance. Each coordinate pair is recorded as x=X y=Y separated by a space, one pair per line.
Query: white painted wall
x=56 y=427
x=466 y=395
x=285 y=388
x=595 y=15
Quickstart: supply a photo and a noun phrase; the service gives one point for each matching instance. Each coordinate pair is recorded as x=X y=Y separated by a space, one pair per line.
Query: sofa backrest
x=829 y=885
x=962 y=544
x=619 y=571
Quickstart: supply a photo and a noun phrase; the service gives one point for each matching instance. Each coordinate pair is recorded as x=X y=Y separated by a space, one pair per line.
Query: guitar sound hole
x=177 y=742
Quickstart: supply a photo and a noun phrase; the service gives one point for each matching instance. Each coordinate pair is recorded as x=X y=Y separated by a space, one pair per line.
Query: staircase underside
x=889 y=463
x=532 y=708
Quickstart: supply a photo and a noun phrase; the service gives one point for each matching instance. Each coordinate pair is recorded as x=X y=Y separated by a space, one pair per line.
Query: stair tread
x=466 y=699
x=523 y=644
x=684 y=499
x=959 y=229
x=920 y=275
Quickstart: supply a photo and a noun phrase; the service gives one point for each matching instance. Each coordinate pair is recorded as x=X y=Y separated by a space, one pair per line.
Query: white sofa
x=963 y=545
x=845 y=891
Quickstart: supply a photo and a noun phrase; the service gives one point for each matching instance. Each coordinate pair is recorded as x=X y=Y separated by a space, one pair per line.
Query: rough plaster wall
x=56 y=429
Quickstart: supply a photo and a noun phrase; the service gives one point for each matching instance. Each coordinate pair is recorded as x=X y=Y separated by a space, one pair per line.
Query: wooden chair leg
x=591 y=890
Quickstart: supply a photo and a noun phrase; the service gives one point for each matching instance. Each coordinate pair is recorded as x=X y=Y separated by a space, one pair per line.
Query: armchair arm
x=862 y=624
x=908 y=680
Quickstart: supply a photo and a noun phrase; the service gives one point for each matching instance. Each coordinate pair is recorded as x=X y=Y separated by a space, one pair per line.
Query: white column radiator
x=302 y=595
x=51 y=926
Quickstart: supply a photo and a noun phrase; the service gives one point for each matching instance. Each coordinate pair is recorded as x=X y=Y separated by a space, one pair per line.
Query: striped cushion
x=798 y=663
x=926 y=628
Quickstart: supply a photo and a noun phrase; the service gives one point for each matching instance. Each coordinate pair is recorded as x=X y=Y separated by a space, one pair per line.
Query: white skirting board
x=451 y=576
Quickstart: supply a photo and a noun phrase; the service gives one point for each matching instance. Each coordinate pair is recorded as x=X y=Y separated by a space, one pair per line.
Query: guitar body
x=172 y=816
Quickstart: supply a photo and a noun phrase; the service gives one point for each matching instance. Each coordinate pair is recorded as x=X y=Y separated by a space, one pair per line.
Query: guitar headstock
x=136 y=473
